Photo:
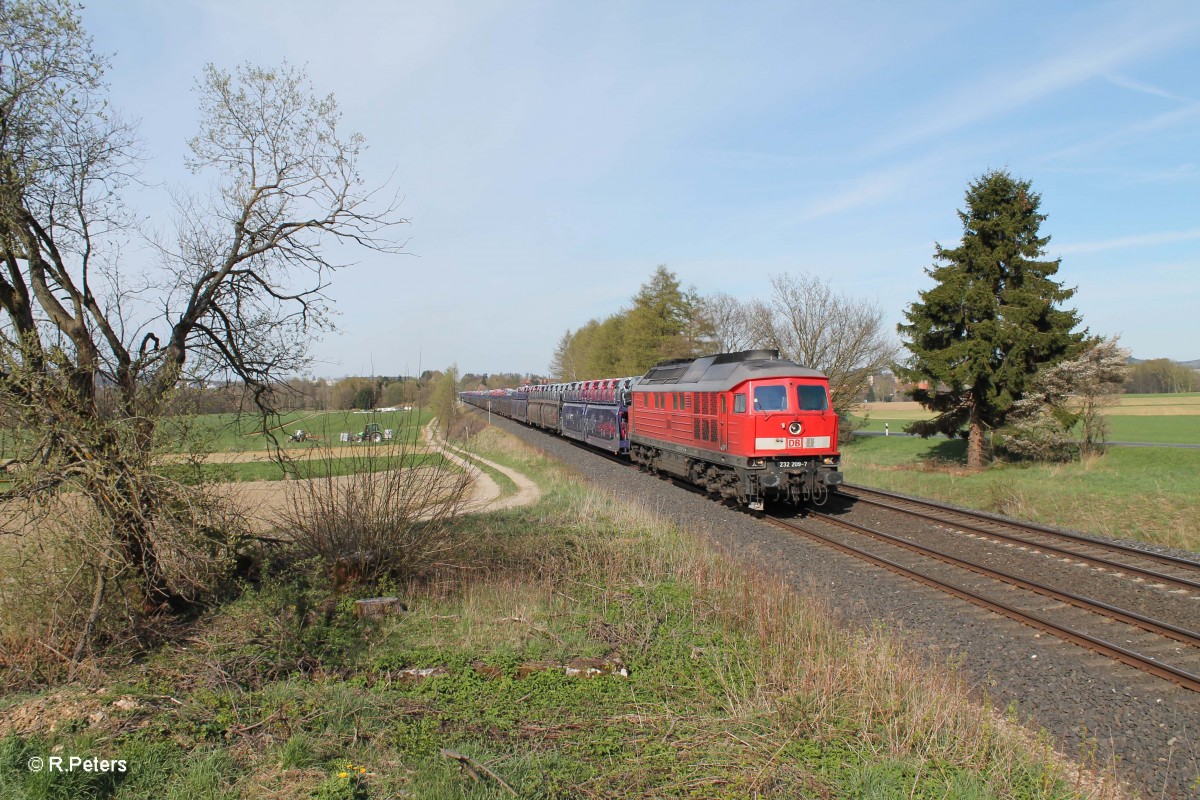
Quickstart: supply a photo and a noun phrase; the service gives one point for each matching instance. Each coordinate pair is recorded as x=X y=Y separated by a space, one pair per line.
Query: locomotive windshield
x=770 y=398
x=811 y=398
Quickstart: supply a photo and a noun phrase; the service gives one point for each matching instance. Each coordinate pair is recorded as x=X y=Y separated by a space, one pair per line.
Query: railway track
x=1134 y=562
x=1156 y=646
x=1047 y=600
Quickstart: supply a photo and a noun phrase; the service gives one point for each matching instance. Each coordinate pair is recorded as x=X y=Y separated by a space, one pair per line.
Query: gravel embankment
x=1089 y=704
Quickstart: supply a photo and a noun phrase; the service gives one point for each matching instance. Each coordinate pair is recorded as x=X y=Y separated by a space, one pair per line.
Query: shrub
x=388 y=517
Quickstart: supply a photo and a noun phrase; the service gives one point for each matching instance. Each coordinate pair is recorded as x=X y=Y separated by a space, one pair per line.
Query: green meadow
x=1150 y=494
x=243 y=433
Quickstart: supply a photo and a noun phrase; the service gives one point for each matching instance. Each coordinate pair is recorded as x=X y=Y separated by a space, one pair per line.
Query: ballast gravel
x=1098 y=711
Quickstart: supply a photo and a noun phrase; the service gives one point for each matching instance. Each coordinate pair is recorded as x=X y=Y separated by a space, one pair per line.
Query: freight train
x=748 y=426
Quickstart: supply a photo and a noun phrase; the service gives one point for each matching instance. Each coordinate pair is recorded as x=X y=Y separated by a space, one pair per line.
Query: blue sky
x=551 y=154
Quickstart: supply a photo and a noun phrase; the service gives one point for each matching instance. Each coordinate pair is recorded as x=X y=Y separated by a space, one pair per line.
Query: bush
x=386 y=518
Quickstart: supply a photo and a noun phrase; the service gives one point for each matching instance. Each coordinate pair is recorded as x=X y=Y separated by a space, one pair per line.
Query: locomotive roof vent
x=746 y=355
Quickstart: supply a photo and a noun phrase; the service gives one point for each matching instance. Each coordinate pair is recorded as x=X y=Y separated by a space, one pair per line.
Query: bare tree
x=90 y=351
x=729 y=320
x=810 y=323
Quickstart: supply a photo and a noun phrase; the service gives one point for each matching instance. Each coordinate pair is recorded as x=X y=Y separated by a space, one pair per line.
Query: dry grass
x=823 y=681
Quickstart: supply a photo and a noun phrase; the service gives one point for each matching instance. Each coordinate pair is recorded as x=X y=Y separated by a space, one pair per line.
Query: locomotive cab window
x=739 y=403
x=770 y=398
x=811 y=398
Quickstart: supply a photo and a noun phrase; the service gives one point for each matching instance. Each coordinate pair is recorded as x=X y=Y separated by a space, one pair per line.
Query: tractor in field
x=371 y=433
x=303 y=436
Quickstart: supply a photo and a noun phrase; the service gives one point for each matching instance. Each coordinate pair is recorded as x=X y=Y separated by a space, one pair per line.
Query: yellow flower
x=343 y=775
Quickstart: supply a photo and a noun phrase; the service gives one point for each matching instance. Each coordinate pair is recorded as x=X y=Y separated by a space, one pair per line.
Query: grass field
x=1155 y=418
x=1150 y=494
x=242 y=433
x=736 y=686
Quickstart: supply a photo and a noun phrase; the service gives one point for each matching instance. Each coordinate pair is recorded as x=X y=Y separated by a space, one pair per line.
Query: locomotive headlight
x=758 y=462
x=795 y=428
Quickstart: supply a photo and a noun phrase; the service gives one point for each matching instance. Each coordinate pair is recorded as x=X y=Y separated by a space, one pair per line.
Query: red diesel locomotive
x=748 y=426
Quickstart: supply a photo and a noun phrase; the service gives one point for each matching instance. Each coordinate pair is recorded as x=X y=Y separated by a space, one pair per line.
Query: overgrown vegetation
x=736 y=686
x=93 y=348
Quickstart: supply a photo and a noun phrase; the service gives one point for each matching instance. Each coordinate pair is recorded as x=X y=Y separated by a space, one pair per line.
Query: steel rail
x=1147 y=664
x=1079 y=601
x=1149 y=555
x=1180 y=582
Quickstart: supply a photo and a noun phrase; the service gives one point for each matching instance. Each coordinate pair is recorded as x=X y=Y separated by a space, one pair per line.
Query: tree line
x=802 y=317
x=1162 y=376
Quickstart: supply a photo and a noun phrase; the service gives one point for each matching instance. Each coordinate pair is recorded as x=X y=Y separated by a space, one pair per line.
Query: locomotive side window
x=739 y=404
x=812 y=398
x=770 y=398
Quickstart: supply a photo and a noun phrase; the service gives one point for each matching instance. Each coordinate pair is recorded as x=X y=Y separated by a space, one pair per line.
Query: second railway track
x=1170 y=570
x=1140 y=624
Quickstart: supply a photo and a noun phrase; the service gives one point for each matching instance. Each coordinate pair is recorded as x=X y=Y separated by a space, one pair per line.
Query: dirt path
x=263 y=501
x=485 y=491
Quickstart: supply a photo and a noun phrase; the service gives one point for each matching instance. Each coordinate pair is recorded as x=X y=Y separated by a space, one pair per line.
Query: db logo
x=794 y=443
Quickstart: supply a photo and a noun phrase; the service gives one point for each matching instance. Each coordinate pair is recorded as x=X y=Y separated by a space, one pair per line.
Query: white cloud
x=1007 y=89
x=1131 y=132
x=1125 y=82
x=1142 y=240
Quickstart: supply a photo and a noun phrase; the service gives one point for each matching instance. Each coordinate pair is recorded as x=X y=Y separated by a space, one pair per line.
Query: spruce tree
x=993 y=319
